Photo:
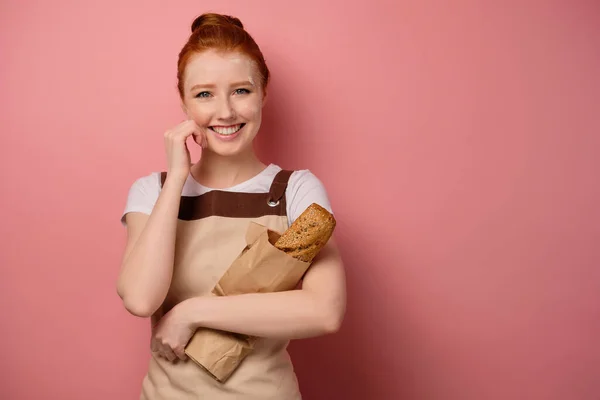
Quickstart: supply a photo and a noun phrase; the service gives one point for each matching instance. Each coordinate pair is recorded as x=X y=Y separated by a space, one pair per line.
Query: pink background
x=459 y=144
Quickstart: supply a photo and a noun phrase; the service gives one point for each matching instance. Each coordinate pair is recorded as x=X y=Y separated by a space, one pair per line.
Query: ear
x=265 y=99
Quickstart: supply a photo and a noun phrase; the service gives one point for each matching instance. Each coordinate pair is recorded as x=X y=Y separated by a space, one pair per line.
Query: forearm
x=292 y=314
x=148 y=268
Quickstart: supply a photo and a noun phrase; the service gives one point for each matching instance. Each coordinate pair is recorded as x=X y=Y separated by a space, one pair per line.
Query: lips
x=227 y=130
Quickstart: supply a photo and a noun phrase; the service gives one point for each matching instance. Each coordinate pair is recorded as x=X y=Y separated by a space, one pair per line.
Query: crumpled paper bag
x=260 y=268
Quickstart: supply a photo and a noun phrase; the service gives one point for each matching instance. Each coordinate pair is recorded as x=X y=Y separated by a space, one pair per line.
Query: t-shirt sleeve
x=304 y=189
x=142 y=195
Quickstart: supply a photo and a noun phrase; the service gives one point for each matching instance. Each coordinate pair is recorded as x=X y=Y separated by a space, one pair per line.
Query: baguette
x=308 y=234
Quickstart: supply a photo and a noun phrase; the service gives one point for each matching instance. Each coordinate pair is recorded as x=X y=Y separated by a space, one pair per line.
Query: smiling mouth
x=226 y=130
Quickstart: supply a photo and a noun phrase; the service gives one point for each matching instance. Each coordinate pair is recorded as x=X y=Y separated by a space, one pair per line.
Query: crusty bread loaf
x=308 y=233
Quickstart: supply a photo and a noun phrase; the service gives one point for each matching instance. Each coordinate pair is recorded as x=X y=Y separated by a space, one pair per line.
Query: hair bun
x=213 y=19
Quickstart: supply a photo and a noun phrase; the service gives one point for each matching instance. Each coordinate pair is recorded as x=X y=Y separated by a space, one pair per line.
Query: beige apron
x=211 y=233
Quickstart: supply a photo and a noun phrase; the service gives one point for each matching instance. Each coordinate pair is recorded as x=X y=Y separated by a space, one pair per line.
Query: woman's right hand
x=178 y=154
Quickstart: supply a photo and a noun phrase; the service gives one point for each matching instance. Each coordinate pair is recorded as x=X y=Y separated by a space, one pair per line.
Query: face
x=222 y=94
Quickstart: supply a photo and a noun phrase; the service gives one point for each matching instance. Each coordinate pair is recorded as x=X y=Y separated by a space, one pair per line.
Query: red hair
x=220 y=32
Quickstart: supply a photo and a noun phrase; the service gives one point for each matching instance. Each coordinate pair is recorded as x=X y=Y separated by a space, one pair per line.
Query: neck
x=216 y=171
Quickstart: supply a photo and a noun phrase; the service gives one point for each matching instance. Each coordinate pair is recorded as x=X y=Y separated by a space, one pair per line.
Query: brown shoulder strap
x=279 y=185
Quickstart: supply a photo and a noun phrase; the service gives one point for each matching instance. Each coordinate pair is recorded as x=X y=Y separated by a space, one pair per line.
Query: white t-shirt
x=304 y=188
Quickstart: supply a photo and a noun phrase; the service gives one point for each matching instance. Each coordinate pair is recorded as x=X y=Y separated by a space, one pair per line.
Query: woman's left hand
x=171 y=334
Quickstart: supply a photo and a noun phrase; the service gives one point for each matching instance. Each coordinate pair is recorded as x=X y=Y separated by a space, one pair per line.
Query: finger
x=160 y=352
x=159 y=349
x=157 y=346
x=183 y=134
x=166 y=350
x=183 y=129
x=203 y=136
x=201 y=139
x=180 y=353
x=169 y=354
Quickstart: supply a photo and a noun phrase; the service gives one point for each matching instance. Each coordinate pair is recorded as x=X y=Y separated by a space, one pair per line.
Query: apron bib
x=211 y=231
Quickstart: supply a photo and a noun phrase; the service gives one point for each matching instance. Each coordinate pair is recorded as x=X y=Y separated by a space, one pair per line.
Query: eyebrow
x=212 y=86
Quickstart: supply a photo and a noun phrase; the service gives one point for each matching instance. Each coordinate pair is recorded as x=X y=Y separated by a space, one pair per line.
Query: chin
x=229 y=150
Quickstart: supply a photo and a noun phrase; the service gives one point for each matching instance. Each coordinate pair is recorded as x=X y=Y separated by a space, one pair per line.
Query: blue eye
x=203 y=94
x=242 y=91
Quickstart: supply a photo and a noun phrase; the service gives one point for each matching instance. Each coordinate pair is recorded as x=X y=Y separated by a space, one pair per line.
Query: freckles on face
x=249 y=109
x=222 y=76
x=240 y=109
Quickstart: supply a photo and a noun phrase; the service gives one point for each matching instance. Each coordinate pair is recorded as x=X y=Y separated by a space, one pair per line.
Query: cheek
x=201 y=117
x=249 y=109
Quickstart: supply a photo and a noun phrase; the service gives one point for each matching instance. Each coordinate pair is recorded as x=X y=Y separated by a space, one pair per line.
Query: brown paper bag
x=218 y=352
x=260 y=268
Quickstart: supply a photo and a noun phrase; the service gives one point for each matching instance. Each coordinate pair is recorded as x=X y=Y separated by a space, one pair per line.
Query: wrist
x=175 y=179
x=189 y=312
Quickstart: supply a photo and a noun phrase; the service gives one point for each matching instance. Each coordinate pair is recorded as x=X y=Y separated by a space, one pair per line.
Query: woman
x=185 y=226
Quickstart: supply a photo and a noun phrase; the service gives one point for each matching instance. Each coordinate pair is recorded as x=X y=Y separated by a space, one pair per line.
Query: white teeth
x=230 y=130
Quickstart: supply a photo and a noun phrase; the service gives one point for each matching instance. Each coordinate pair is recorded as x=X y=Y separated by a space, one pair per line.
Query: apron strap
x=276 y=192
x=278 y=187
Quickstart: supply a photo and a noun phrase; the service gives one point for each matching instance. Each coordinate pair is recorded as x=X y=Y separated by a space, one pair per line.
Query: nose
x=225 y=110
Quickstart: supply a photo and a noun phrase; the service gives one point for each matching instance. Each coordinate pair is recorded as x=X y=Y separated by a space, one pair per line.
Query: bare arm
x=147 y=265
x=316 y=309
